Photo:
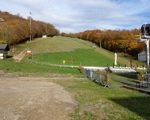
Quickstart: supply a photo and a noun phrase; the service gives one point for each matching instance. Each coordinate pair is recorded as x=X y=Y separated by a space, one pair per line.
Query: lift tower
x=145 y=37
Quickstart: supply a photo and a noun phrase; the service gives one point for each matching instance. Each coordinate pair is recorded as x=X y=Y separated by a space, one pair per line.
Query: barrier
x=99 y=77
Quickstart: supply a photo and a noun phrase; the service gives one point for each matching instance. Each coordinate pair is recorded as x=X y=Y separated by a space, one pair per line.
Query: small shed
x=4 y=48
x=142 y=56
x=44 y=36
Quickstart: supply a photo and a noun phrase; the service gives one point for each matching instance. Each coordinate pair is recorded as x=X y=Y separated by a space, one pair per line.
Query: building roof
x=143 y=52
x=4 y=47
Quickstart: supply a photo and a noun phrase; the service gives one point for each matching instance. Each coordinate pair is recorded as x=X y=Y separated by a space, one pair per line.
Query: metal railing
x=99 y=77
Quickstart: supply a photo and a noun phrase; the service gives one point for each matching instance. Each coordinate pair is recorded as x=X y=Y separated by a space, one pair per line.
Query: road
x=33 y=98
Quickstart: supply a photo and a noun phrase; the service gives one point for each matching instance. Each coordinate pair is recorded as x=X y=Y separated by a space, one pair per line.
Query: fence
x=100 y=77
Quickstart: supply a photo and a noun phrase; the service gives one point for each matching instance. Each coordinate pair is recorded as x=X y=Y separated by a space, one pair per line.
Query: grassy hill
x=72 y=50
x=53 y=44
x=55 y=50
x=88 y=57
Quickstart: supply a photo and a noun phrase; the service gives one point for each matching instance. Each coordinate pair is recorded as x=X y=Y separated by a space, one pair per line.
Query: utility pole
x=3 y=35
x=46 y=30
x=30 y=26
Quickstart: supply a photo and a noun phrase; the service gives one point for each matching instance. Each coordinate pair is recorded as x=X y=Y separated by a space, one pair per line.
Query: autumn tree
x=16 y=29
x=115 y=40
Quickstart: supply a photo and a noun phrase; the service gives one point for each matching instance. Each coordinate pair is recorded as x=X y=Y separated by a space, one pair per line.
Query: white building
x=4 y=48
x=44 y=36
x=142 y=56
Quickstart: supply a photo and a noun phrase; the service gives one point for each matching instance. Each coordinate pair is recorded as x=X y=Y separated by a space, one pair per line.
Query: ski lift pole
x=145 y=37
x=148 y=54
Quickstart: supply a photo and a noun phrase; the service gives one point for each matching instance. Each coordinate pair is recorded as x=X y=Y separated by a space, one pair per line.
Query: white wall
x=1 y=56
x=142 y=56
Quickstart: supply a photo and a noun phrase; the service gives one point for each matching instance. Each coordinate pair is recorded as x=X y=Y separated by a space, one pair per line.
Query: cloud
x=78 y=15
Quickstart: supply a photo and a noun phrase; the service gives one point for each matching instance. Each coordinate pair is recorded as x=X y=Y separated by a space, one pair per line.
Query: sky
x=80 y=15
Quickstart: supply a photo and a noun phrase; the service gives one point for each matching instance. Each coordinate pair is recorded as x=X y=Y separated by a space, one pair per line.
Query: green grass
x=65 y=44
x=77 y=57
x=115 y=103
x=121 y=60
x=56 y=49
x=27 y=67
x=54 y=44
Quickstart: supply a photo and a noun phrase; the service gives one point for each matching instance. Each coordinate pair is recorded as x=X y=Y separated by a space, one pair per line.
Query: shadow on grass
x=138 y=105
x=127 y=83
x=9 y=56
x=128 y=75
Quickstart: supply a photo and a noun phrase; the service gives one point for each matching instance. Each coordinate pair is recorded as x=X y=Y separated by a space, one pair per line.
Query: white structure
x=145 y=37
x=142 y=56
x=44 y=36
x=4 y=48
x=115 y=63
x=1 y=56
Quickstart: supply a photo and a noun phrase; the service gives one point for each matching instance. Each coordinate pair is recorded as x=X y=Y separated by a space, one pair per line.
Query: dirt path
x=28 y=98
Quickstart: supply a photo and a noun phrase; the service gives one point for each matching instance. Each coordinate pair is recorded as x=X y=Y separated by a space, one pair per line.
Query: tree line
x=125 y=41
x=15 y=29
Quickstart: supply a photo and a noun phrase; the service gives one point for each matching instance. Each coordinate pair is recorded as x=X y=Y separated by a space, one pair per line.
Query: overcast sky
x=80 y=15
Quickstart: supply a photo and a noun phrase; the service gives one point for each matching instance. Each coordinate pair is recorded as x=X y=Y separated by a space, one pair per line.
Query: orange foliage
x=16 y=29
x=115 y=40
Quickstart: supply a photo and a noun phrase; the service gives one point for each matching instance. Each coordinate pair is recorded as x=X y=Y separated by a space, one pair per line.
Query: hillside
x=53 y=44
x=16 y=29
x=74 y=51
x=54 y=50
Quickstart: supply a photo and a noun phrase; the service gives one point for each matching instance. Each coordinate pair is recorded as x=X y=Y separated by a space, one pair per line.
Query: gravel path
x=30 y=98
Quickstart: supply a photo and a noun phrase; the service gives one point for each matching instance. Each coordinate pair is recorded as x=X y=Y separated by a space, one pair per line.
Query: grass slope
x=121 y=60
x=27 y=67
x=65 y=44
x=54 y=44
x=88 y=57
x=56 y=49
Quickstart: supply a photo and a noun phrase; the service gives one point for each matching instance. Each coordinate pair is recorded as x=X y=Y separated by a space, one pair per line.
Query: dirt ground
x=33 y=98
